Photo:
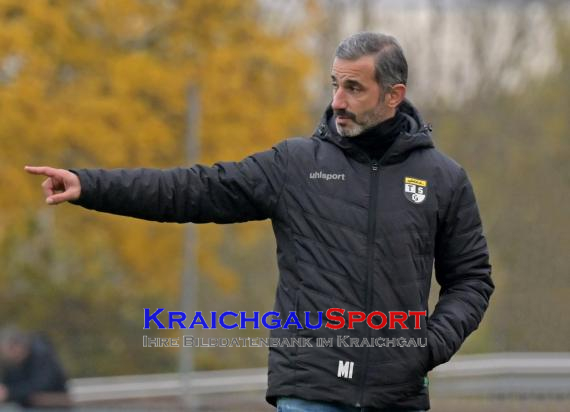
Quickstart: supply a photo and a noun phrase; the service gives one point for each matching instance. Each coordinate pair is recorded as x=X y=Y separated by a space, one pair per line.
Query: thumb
x=58 y=198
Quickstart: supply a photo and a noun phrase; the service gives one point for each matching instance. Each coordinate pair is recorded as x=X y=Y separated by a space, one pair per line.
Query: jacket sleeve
x=224 y=193
x=463 y=271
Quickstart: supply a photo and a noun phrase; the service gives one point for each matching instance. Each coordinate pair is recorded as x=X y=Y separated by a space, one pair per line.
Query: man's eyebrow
x=350 y=82
x=353 y=82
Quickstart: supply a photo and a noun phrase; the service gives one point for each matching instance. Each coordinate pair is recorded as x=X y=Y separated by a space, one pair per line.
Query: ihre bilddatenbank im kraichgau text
x=335 y=319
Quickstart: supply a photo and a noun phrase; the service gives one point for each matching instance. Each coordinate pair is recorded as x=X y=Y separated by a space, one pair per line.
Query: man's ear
x=395 y=95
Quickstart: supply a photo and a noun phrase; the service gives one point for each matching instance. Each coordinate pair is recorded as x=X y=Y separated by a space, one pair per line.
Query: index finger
x=41 y=170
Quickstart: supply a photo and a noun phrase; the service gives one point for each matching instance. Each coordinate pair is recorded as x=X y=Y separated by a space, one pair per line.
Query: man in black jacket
x=31 y=374
x=361 y=211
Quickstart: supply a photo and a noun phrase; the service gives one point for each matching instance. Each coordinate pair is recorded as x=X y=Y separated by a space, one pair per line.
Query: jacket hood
x=417 y=137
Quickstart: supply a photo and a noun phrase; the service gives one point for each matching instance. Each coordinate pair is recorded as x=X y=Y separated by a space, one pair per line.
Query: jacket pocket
x=394 y=374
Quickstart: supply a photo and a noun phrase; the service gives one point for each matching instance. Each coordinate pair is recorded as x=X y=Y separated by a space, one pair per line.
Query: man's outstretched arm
x=462 y=269
x=224 y=193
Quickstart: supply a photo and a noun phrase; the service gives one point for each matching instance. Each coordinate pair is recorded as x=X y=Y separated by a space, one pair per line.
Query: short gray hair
x=391 y=66
x=13 y=336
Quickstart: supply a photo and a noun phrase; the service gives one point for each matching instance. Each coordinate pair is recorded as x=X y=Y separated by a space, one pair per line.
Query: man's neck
x=376 y=140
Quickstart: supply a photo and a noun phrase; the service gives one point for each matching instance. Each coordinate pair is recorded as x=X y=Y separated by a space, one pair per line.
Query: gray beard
x=356 y=130
x=353 y=131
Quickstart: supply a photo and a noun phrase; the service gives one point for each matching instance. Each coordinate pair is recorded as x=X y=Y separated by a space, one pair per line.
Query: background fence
x=501 y=381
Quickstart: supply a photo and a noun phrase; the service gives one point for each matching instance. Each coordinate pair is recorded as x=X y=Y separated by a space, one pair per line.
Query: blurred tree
x=103 y=84
x=516 y=147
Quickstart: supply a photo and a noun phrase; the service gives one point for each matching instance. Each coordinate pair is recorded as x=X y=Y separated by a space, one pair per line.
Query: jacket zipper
x=374 y=168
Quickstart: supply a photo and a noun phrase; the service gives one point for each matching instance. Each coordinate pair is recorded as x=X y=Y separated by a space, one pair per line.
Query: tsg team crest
x=415 y=190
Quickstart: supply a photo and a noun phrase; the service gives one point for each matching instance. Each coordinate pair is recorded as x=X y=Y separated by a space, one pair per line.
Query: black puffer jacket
x=40 y=372
x=352 y=233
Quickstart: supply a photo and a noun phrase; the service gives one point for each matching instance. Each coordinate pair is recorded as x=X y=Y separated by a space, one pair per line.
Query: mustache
x=345 y=113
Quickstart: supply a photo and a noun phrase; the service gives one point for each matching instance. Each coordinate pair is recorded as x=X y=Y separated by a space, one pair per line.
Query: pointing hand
x=60 y=186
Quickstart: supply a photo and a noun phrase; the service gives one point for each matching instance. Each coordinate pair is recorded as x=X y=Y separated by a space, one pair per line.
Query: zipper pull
x=374 y=165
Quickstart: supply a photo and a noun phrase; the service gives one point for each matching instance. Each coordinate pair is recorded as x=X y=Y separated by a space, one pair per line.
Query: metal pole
x=365 y=10
x=189 y=281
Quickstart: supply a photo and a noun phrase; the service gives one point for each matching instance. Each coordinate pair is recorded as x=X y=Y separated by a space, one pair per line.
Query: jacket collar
x=417 y=137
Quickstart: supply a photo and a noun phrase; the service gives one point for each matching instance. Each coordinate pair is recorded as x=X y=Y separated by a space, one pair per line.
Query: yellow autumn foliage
x=104 y=83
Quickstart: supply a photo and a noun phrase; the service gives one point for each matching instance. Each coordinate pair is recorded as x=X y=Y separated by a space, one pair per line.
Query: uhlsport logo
x=326 y=176
x=415 y=190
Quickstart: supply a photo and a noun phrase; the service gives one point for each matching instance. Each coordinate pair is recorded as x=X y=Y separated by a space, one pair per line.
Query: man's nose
x=339 y=100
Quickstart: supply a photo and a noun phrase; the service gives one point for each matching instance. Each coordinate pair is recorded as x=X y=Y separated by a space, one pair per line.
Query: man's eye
x=354 y=88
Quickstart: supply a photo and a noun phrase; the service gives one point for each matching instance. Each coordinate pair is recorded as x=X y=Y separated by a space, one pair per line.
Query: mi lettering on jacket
x=352 y=232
